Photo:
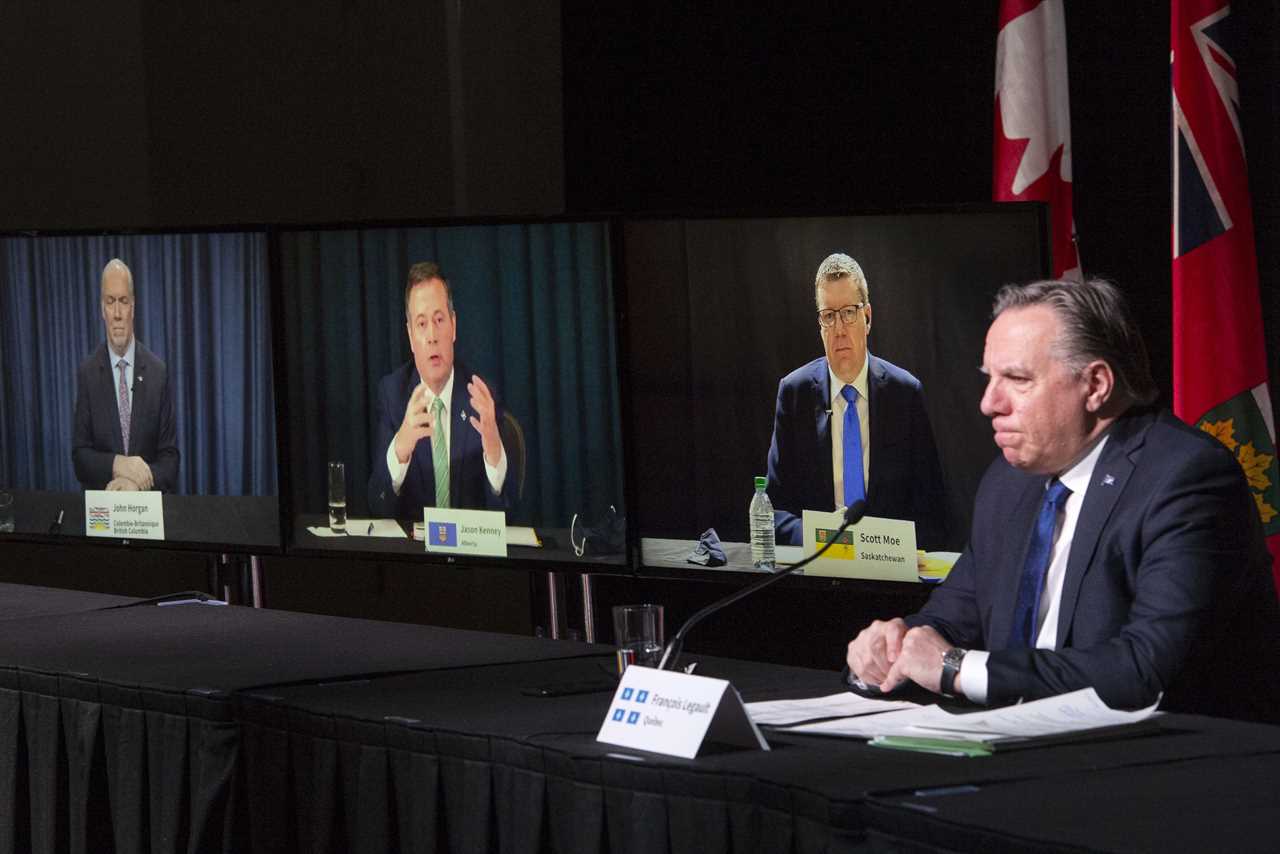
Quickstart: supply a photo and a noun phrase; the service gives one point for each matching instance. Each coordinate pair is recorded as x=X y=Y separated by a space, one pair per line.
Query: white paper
x=389 y=528
x=901 y=722
x=1077 y=710
x=518 y=535
x=845 y=704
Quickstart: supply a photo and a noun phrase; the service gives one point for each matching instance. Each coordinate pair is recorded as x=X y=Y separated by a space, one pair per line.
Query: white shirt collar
x=446 y=393
x=859 y=382
x=1078 y=476
x=128 y=354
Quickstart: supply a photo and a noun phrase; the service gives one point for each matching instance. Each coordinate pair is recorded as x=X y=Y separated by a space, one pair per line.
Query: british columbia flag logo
x=99 y=519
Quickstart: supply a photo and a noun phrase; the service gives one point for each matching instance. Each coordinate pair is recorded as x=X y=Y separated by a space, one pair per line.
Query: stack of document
x=892 y=723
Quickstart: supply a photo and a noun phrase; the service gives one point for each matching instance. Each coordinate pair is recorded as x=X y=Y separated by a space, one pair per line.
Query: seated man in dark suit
x=435 y=447
x=1112 y=545
x=124 y=436
x=850 y=426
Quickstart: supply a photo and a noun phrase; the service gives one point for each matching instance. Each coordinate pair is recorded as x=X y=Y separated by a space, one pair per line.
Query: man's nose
x=991 y=401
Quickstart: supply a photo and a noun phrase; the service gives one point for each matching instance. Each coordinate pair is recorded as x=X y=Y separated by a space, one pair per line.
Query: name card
x=882 y=549
x=465 y=532
x=127 y=515
x=673 y=713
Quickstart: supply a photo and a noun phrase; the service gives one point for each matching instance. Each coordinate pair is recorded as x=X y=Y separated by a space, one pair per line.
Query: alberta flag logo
x=444 y=533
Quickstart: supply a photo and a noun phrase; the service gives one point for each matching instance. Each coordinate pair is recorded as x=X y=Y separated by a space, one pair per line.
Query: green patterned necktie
x=440 y=453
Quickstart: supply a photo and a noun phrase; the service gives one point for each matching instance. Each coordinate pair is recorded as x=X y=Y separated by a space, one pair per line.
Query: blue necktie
x=1030 y=587
x=854 y=486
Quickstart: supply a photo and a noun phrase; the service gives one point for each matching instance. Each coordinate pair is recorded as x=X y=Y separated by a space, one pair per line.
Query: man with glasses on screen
x=850 y=426
x=124 y=435
x=437 y=441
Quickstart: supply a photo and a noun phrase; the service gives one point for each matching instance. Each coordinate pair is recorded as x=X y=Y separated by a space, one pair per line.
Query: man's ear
x=1101 y=384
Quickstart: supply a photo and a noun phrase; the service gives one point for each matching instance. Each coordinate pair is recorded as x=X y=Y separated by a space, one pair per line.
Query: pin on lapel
x=462 y=415
x=1108 y=480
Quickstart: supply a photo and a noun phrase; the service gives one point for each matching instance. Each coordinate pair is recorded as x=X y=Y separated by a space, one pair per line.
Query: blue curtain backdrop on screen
x=535 y=318
x=202 y=307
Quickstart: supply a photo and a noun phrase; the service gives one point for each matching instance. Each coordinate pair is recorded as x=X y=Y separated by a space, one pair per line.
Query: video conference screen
x=466 y=367
x=729 y=368
x=138 y=368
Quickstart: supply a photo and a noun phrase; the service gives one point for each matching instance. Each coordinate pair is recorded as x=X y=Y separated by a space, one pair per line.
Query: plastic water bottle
x=762 y=527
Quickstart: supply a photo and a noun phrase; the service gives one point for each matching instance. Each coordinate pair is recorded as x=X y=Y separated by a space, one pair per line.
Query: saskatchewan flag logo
x=1238 y=424
x=841 y=549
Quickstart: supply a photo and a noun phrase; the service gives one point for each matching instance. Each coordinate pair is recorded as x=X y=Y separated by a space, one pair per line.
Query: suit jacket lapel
x=460 y=433
x=1008 y=576
x=821 y=379
x=875 y=382
x=112 y=382
x=139 y=391
x=424 y=472
x=1105 y=488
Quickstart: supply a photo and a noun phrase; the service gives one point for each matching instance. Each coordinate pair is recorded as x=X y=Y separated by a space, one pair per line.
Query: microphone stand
x=852 y=516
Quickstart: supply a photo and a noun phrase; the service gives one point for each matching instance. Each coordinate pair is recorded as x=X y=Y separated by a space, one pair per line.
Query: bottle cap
x=761 y=483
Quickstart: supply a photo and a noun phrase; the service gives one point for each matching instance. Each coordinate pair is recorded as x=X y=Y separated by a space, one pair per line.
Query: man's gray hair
x=115 y=265
x=1096 y=324
x=840 y=266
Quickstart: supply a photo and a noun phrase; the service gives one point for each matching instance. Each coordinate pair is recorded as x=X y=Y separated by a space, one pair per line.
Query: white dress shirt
x=497 y=475
x=838 y=407
x=973 y=668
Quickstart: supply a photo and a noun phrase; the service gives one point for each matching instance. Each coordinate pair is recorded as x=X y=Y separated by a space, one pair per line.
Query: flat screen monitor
x=138 y=394
x=511 y=327
x=720 y=310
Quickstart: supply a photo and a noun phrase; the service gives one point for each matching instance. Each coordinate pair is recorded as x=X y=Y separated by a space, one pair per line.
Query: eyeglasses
x=827 y=317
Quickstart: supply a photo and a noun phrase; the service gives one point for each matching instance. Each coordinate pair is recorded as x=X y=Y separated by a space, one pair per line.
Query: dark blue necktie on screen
x=854 y=487
x=1031 y=586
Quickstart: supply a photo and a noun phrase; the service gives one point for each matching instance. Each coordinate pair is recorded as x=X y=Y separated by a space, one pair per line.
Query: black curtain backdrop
x=535 y=319
x=719 y=310
x=202 y=307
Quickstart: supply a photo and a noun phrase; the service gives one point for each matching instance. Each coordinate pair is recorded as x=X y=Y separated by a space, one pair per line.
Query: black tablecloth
x=116 y=725
x=203 y=728
x=463 y=761
x=1213 y=803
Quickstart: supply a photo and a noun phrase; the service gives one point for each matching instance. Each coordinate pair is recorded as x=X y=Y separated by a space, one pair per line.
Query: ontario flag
x=1032 y=157
x=1219 y=356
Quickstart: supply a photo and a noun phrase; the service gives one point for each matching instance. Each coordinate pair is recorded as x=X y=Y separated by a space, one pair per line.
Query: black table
x=27 y=600
x=117 y=724
x=218 y=522
x=205 y=728
x=462 y=760
x=1211 y=803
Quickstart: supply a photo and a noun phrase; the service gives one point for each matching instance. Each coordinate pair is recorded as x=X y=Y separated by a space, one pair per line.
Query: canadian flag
x=1032 y=157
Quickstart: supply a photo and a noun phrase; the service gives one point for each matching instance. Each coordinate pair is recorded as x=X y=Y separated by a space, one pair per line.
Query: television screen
x=729 y=376
x=464 y=367
x=138 y=388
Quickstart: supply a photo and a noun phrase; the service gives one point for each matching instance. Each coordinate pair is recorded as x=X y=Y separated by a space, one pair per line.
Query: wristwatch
x=950 y=669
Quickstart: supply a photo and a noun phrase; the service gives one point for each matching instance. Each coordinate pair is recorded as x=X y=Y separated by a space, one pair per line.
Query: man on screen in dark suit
x=1112 y=545
x=852 y=426
x=124 y=435
x=437 y=441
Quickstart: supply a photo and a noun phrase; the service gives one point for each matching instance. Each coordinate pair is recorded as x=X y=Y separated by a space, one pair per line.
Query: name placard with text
x=465 y=532
x=674 y=713
x=127 y=515
x=881 y=549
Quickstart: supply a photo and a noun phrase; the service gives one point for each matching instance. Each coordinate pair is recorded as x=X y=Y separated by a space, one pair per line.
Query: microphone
x=852 y=515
